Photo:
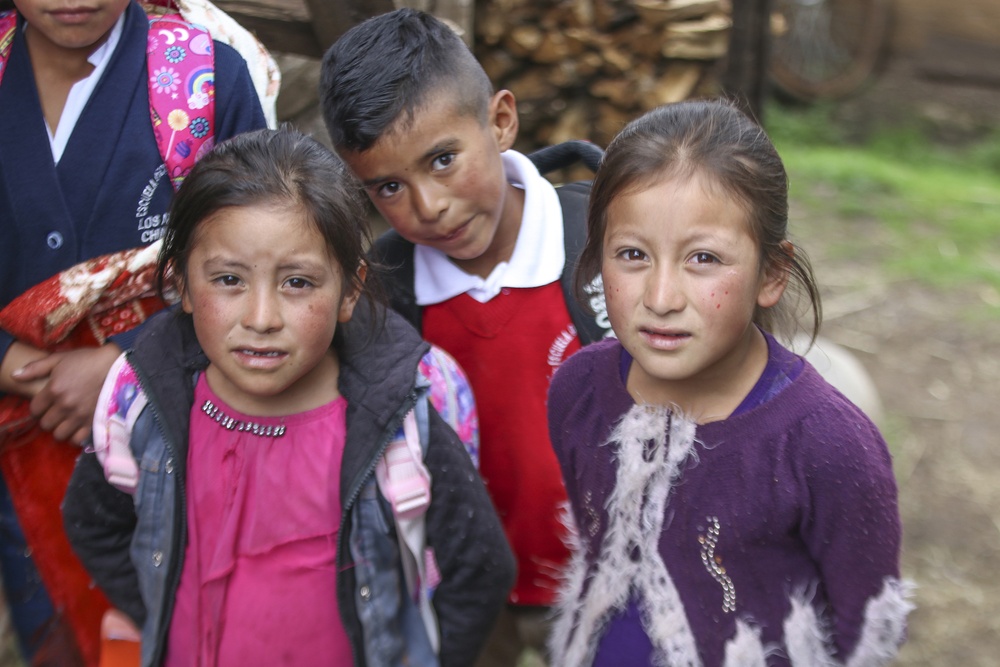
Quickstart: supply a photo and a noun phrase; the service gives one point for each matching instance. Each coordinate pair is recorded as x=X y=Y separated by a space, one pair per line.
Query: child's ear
x=503 y=118
x=350 y=298
x=776 y=276
x=178 y=283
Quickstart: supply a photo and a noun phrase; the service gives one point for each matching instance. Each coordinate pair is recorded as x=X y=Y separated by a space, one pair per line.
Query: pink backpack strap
x=401 y=473
x=181 y=61
x=8 y=24
x=118 y=406
x=405 y=481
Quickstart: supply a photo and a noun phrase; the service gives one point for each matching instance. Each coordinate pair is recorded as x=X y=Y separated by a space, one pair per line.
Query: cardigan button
x=366 y=593
x=157 y=558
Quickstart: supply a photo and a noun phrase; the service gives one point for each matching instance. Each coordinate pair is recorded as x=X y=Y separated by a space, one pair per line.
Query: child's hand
x=19 y=355
x=65 y=405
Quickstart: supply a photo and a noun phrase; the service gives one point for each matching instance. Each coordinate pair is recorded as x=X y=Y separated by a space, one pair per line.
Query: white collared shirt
x=538 y=257
x=81 y=91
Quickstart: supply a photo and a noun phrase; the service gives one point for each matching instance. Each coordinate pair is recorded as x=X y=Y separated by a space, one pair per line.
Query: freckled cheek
x=614 y=301
x=614 y=293
x=720 y=297
x=396 y=216
x=209 y=310
x=318 y=323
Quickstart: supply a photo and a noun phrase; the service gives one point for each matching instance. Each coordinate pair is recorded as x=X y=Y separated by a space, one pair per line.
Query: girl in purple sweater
x=731 y=507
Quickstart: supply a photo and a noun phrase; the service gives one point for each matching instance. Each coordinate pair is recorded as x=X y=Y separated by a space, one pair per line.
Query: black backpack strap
x=392 y=256
x=566 y=154
x=573 y=198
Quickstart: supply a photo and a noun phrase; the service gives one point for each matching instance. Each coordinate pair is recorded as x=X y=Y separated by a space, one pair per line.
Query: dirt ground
x=936 y=364
x=935 y=359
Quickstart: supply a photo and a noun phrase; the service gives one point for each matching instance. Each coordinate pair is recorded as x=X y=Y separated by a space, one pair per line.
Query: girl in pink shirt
x=258 y=413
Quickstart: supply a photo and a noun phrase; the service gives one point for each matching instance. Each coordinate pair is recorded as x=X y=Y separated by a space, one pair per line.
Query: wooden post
x=302 y=27
x=332 y=18
x=459 y=12
x=744 y=77
x=309 y=27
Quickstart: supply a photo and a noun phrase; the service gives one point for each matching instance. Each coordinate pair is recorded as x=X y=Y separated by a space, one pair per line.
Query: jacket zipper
x=392 y=427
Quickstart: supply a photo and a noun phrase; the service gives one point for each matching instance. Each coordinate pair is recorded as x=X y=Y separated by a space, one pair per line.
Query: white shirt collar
x=538 y=257
x=81 y=91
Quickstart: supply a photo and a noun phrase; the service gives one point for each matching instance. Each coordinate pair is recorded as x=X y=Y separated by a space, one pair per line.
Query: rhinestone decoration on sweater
x=231 y=424
x=714 y=566
x=593 y=518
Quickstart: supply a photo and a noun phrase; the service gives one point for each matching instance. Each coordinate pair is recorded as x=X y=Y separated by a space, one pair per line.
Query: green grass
x=937 y=206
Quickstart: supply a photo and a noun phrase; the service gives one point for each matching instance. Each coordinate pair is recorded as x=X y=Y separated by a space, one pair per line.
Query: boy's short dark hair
x=393 y=64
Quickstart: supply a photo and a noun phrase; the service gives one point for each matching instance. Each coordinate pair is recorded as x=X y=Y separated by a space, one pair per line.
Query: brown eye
x=298 y=283
x=442 y=161
x=388 y=189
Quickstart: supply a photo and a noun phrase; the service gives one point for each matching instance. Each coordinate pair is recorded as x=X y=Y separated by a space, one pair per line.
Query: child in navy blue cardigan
x=80 y=176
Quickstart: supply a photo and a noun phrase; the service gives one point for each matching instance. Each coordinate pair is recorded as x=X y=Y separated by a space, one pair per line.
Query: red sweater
x=510 y=347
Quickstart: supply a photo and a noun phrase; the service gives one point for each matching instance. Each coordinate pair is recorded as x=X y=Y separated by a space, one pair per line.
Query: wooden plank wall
x=308 y=27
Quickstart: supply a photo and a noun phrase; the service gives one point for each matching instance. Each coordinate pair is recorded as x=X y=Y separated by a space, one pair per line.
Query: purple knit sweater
x=774 y=527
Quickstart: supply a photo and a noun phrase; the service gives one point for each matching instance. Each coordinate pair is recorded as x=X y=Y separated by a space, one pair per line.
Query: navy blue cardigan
x=109 y=191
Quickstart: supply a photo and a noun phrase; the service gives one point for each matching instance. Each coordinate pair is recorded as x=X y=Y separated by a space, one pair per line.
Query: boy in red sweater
x=482 y=232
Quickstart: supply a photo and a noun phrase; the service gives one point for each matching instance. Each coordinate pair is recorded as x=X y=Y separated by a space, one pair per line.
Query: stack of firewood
x=581 y=69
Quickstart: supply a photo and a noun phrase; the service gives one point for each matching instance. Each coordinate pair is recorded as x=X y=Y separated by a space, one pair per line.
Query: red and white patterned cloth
x=80 y=307
x=87 y=303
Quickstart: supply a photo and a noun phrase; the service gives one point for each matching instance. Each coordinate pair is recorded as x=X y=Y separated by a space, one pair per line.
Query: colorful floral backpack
x=181 y=65
x=179 y=56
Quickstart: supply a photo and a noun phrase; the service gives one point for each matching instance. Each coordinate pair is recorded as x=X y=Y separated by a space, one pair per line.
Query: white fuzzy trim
x=885 y=624
x=882 y=633
x=806 y=640
x=570 y=591
x=648 y=465
x=745 y=649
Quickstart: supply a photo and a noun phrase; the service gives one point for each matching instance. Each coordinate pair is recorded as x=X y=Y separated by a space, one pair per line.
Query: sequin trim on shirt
x=232 y=424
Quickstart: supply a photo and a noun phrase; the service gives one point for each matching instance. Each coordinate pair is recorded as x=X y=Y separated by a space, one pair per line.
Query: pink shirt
x=258 y=584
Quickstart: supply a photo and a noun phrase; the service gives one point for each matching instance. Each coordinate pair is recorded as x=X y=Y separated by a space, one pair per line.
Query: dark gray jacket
x=133 y=547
